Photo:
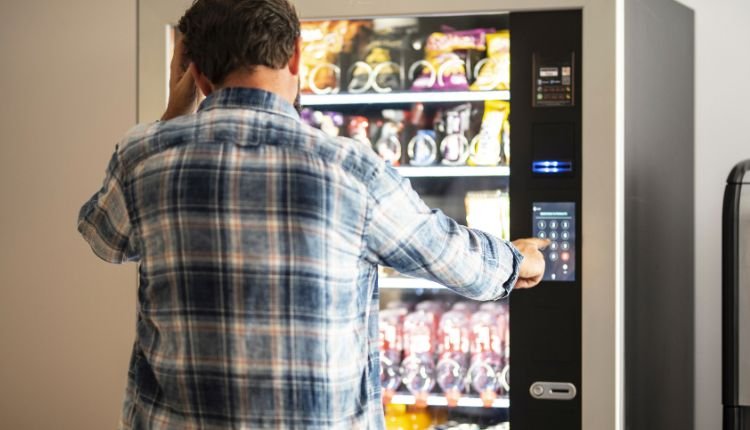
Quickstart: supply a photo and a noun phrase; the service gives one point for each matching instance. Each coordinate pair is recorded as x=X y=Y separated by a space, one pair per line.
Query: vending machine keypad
x=556 y=221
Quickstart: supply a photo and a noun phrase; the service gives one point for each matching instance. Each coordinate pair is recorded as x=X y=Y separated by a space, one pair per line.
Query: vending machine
x=736 y=299
x=509 y=116
x=482 y=113
x=436 y=97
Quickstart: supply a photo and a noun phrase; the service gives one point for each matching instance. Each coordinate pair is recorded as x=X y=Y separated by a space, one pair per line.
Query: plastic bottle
x=486 y=362
x=391 y=346
x=453 y=349
x=418 y=368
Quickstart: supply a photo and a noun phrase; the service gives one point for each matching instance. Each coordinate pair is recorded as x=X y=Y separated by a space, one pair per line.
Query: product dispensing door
x=736 y=299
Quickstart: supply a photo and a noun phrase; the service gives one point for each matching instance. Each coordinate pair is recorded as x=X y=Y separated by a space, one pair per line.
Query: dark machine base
x=736 y=418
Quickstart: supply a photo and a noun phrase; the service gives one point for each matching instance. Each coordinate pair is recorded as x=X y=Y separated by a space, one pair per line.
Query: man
x=259 y=237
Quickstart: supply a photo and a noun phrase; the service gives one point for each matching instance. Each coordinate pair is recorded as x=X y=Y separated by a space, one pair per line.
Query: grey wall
x=722 y=118
x=66 y=319
x=659 y=206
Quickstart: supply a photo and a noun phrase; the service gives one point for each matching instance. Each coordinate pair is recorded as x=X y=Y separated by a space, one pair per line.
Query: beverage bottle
x=396 y=418
x=504 y=329
x=467 y=308
x=391 y=346
x=418 y=367
x=453 y=349
x=486 y=362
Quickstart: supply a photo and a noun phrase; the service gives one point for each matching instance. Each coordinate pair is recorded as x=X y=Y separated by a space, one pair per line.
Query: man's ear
x=294 y=62
x=203 y=83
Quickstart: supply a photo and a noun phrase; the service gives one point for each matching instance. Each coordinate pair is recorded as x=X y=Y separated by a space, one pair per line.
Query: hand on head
x=183 y=92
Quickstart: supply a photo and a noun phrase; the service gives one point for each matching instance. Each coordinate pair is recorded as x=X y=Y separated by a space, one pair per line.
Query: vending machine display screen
x=556 y=221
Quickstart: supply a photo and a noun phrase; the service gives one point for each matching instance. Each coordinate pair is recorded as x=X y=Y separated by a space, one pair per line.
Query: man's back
x=259 y=240
x=254 y=293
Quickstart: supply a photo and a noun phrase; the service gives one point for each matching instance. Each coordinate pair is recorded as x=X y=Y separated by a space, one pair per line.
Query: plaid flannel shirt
x=258 y=240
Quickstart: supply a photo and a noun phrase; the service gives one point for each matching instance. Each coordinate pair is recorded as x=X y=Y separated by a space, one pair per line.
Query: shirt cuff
x=517 y=259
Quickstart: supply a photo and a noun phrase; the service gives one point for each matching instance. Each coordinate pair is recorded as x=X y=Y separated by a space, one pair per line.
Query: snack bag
x=329 y=122
x=378 y=68
x=486 y=148
x=322 y=42
x=493 y=72
x=443 y=67
x=487 y=211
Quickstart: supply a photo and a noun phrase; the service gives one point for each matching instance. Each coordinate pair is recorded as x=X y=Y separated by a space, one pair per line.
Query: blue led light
x=551 y=166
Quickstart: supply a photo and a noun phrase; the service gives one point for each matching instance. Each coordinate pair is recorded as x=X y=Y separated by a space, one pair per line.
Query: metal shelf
x=437 y=400
x=403 y=97
x=452 y=171
x=404 y=283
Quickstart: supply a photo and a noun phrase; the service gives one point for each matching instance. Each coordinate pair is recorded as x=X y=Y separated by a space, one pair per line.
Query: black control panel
x=556 y=221
x=546 y=200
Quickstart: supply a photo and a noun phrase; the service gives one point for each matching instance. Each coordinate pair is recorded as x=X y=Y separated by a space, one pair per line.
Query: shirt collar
x=248 y=98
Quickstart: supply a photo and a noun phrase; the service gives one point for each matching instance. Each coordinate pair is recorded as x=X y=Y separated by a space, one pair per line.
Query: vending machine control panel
x=556 y=221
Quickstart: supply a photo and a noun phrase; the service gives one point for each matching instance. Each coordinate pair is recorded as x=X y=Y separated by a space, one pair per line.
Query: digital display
x=553 y=81
x=556 y=221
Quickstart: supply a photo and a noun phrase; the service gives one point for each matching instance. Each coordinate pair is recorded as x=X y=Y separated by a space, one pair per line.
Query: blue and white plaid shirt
x=258 y=239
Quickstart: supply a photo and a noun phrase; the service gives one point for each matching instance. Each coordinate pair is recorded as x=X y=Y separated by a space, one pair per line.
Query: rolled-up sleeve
x=104 y=220
x=405 y=234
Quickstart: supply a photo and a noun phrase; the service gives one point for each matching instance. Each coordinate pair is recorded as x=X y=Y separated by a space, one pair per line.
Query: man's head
x=227 y=38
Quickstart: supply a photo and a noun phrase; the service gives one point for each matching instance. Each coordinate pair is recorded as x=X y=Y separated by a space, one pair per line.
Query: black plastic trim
x=739 y=174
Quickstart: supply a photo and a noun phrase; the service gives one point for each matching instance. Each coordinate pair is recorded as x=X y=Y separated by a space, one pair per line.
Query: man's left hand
x=183 y=93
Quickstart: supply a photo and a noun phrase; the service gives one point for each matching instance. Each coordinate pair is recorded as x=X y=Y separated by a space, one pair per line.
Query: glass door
x=430 y=95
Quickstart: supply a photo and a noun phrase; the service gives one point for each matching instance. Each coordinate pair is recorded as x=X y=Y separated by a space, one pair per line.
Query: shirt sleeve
x=104 y=220
x=418 y=241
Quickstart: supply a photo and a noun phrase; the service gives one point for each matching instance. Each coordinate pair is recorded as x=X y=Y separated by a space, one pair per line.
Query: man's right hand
x=183 y=93
x=532 y=267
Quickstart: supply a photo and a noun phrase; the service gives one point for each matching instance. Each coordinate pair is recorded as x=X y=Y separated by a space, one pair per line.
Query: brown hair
x=222 y=36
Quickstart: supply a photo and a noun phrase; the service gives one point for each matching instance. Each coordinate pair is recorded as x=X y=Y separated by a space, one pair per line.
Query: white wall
x=67 y=92
x=722 y=139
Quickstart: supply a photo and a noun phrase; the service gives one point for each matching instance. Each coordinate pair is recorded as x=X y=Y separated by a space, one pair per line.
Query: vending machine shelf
x=452 y=171
x=438 y=400
x=406 y=283
x=403 y=97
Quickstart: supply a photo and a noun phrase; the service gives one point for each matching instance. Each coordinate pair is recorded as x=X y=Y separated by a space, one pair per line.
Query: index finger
x=540 y=243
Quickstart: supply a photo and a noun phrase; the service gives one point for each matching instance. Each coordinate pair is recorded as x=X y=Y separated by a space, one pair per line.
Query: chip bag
x=493 y=72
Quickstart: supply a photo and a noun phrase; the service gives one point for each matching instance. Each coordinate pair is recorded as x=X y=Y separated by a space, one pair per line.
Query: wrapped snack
x=488 y=211
x=387 y=142
x=454 y=147
x=328 y=122
x=486 y=147
x=358 y=128
x=443 y=67
x=422 y=149
x=378 y=69
x=493 y=72
x=322 y=42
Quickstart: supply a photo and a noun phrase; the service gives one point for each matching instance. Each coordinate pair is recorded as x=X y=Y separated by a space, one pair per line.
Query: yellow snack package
x=493 y=72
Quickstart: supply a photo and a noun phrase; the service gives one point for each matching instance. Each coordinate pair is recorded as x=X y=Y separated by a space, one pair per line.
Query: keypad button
x=542 y=234
x=565 y=225
x=553 y=246
x=553 y=235
x=565 y=235
x=565 y=256
x=553 y=256
x=541 y=224
x=552 y=225
x=565 y=246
